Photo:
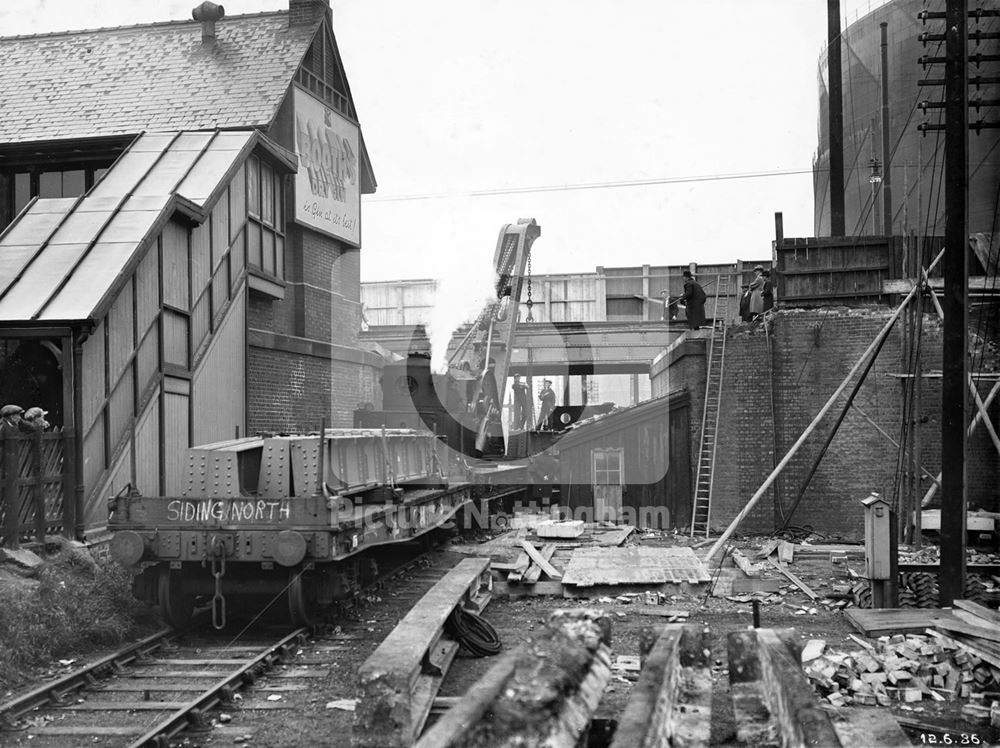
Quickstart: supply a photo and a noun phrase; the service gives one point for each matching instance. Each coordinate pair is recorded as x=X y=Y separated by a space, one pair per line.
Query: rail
x=57 y=691
x=179 y=714
x=219 y=691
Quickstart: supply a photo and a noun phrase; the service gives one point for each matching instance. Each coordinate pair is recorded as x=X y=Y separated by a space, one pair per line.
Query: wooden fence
x=36 y=486
x=850 y=271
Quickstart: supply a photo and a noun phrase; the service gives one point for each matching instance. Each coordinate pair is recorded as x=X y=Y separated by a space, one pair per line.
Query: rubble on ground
x=901 y=668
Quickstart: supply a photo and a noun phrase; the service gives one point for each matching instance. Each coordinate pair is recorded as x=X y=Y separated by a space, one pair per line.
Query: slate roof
x=131 y=79
x=63 y=259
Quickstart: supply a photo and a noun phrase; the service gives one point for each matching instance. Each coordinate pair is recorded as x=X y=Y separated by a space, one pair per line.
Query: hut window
x=607 y=467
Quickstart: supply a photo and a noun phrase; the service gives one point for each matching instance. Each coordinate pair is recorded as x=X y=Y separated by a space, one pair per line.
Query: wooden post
x=38 y=487
x=76 y=441
x=918 y=369
x=647 y=291
x=8 y=490
x=954 y=383
x=600 y=296
x=68 y=445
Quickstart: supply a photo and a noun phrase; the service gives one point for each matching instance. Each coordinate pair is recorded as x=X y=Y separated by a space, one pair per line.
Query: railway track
x=147 y=693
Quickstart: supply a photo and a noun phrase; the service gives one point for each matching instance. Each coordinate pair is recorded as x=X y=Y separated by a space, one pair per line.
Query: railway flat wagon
x=289 y=517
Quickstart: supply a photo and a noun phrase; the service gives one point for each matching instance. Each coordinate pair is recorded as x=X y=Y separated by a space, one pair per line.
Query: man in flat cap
x=547 y=400
x=10 y=419
x=33 y=421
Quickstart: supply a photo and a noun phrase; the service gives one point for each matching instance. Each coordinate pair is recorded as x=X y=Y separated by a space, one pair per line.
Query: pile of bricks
x=902 y=668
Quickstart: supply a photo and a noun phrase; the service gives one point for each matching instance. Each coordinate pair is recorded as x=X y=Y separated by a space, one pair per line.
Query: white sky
x=463 y=96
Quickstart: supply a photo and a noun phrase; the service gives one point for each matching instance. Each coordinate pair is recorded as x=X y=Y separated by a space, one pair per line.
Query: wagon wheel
x=176 y=606
x=302 y=605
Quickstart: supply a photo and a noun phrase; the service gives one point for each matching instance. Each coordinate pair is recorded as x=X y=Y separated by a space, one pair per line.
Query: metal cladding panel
x=175 y=339
x=303 y=453
x=95 y=510
x=175 y=266
x=212 y=474
x=219 y=382
x=147 y=448
x=93 y=453
x=220 y=230
x=275 y=479
x=120 y=333
x=93 y=377
x=175 y=442
x=147 y=291
x=121 y=411
x=237 y=202
x=201 y=261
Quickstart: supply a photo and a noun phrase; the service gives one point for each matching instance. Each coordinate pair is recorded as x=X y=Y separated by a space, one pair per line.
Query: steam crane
x=485 y=350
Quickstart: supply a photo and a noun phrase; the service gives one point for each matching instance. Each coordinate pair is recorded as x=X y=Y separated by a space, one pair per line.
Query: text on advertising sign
x=327 y=187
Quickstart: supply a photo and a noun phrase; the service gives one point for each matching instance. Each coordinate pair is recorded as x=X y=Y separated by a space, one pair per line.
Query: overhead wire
x=575 y=186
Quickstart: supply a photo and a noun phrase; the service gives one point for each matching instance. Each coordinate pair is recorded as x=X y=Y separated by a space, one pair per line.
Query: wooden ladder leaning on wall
x=701 y=511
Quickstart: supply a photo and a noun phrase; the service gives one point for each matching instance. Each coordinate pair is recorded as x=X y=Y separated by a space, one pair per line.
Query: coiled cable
x=473 y=633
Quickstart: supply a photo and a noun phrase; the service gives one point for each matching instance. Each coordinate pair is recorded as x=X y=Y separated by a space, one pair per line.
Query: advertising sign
x=327 y=185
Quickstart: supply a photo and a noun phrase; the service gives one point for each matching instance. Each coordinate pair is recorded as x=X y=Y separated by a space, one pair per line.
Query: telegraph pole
x=886 y=188
x=836 y=118
x=954 y=384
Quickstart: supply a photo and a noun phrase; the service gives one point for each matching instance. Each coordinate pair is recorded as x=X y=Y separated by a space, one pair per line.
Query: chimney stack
x=307 y=12
x=208 y=13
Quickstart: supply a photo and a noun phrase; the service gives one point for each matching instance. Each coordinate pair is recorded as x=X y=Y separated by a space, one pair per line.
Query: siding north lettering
x=229 y=511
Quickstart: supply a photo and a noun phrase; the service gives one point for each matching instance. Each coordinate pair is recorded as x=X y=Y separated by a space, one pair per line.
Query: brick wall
x=810 y=354
x=685 y=370
x=291 y=391
x=744 y=453
x=301 y=12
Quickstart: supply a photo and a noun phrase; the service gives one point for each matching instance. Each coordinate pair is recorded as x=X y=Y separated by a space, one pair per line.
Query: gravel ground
x=303 y=718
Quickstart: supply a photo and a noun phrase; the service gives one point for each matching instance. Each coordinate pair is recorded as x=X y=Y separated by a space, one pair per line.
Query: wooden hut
x=630 y=466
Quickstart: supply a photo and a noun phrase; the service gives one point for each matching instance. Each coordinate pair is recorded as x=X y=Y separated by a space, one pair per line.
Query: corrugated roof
x=132 y=79
x=63 y=257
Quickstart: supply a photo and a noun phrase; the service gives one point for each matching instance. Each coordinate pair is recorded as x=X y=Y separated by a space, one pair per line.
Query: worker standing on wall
x=547 y=400
x=694 y=301
x=767 y=292
x=669 y=306
x=756 y=290
x=519 y=416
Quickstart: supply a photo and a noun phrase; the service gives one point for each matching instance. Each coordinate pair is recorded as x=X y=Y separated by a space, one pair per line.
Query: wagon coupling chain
x=218 y=570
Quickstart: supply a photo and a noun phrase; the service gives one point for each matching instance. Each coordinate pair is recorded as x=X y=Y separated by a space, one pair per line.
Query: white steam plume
x=464 y=287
